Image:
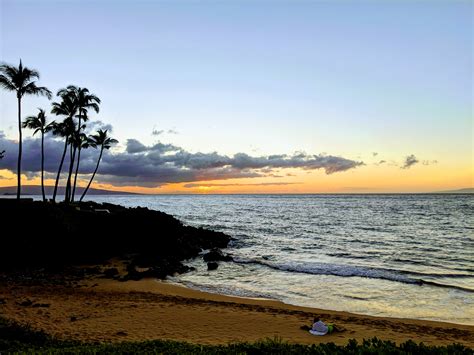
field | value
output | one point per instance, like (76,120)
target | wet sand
(111,311)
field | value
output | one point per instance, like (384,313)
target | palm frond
(32,89)
(6,83)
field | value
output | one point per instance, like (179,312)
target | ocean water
(385,255)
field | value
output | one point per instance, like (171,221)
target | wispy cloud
(410,161)
(157,132)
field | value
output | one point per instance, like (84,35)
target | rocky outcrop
(54,236)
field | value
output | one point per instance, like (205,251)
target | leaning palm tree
(22,81)
(66,107)
(63,129)
(102,140)
(81,141)
(38,123)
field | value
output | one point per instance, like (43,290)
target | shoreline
(101,310)
(183,285)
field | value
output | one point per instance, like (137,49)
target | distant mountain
(36,190)
(469,190)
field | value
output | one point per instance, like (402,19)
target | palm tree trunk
(75,175)
(59,170)
(93,175)
(72,154)
(78,158)
(20,151)
(42,166)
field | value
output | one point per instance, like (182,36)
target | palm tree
(67,107)
(105,142)
(22,81)
(84,101)
(38,123)
(81,141)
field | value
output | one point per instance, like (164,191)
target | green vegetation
(16,338)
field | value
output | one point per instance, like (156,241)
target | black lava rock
(212,266)
(216,254)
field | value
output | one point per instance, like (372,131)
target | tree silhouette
(22,81)
(38,124)
(67,107)
(81,141)
(102,140)
(84,101)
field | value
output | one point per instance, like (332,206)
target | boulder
(212,266)
(216,254)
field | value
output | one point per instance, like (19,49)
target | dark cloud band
(151,166)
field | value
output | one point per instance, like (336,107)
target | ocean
(384,255)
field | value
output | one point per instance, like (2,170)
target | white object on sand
(319,328)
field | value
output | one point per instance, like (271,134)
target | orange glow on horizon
(366,179)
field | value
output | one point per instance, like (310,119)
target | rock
(212,266)
(111,273)
(26,303)
(216,254)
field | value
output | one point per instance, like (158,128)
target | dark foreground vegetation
(17,338)
(53,237)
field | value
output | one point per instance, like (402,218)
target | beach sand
(111,311)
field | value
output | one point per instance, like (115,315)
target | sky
(254,96)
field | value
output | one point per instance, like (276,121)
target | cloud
(429,162)
(93,126)
(159,164)
(409,161)
(381,162)
(374,154)
(156,132)
(191,185)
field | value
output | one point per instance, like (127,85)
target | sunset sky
(255,96)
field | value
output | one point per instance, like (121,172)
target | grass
(15,338)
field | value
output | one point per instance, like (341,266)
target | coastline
(101,310)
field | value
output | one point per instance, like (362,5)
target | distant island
(36,190)
(469,190)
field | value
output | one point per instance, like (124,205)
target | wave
(357,271)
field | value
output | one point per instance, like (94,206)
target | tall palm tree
(67,107)
(102,140)
(22,81)
(84,101)
(38,123)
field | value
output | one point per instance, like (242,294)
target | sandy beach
(111,311)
